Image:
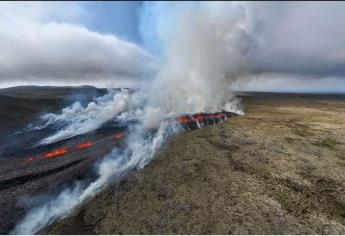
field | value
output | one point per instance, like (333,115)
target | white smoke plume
(77,119)
(206,47)
(140,151)
(206,50)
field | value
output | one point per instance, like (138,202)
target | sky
(289,46)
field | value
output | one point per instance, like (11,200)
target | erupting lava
(183,120)
(56,152)
(201,119)
(187,121)
(63,150)
(86,145)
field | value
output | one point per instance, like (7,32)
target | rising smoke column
(205,47)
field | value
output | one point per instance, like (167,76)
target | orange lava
(198,117)
(221,115)
(56,152)
(183,120)
(119,135)
(86,145)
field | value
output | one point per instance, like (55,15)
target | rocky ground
(279,169)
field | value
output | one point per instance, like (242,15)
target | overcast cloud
(56,43)
(305,38)
(44,42)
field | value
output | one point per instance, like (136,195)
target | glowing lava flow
(187,121)
(202,117)
(63,150)
(86,145)
(56,152)
(183,120)
(199,117)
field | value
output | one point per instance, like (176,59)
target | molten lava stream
(221,115)
(56,152)
(198,117)
(85,145)
(183,120)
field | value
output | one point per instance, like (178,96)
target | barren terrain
(279,169)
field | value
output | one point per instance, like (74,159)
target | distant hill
(51,91)
(16,112)
(23,104)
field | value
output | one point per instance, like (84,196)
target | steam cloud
(205,51)
(80,120)
(140,151)
(38,45)
(48,43)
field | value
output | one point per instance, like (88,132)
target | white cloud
(291,83)
(46,43)
(305,38)
(42,42)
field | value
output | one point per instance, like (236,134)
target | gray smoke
(116,105)
(141,149)
(206,51)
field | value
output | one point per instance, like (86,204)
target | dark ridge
(17,112)
(8,183)
(41,88)
(19,148)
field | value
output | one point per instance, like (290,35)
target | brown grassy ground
(279,169)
